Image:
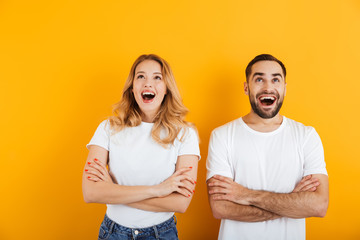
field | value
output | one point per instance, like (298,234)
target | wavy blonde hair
(171,115)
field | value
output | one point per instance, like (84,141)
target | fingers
(187,187)
(180,171)
(220,197)
(186,177)
(218,184)
(98,165)
(93,178)
(95,166)
(217,190)
(307,183)
(222,178)
(96,171)
(183,192)
(91,173)
(311,187)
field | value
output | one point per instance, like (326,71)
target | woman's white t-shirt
(136,159)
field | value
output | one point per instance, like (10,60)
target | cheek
(162,88)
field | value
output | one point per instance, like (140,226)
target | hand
(178,182)
(96,171)
(307,184)
(224,188)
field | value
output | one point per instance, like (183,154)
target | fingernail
(193,191)
(95,159)
(189,195)
(88,177)
(89,162)
(195,182)
(190,167)
(86,170)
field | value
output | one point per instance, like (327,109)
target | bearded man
(266,173)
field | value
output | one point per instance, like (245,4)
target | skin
(230,200)
(172,195)
(148,77)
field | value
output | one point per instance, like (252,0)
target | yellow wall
(63,64)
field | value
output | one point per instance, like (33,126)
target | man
(266,173)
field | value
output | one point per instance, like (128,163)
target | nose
(148,82)
(267,86)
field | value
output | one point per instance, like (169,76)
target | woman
(152,154)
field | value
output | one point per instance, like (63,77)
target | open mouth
(267,100)
(147,96)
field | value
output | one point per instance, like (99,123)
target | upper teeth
(271,98)
(148,93)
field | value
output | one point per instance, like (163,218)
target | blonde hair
(171,115)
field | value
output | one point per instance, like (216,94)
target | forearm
(110,193)
(174,202)
(238,212)
(292,205)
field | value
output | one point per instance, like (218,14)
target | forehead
(148,66)
(267,67)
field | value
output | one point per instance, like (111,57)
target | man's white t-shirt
(273,161)
(136,159)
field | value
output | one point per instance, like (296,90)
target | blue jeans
(110,230)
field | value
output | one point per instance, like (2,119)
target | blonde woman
(152,156)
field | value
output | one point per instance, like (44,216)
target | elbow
(182,204)
(88,197)
(322,208)
(217,215)
(182,207)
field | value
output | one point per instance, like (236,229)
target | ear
(246,88)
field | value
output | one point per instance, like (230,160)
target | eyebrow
(262,74)
(144,72)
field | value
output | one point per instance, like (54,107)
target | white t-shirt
(136,159)
(273,161)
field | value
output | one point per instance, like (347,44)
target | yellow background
(63,64)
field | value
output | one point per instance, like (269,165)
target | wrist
(254,197)
(154,191)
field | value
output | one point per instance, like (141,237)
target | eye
(258,80)
(140,76)
(158,77)
(276,80)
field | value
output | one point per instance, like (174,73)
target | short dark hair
(263,57)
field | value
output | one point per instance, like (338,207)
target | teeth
(271,98)
(148,93)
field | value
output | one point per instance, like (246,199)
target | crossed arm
(230,200)
(172,195)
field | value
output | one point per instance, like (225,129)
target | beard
(265,114)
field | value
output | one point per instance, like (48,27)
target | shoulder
(299,129)
(188,132)
(105,125)
(227,128)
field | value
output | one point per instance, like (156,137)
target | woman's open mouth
(148,96)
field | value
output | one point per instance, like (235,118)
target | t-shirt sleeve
(218,158)
(190,144)
(314,162)
(101,136)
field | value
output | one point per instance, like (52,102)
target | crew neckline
(282,125)
(147,123)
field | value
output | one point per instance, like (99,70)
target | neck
(147,117)
(262,124)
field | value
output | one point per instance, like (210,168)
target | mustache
(277,95)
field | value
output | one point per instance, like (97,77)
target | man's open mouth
(147,96)
(267,100)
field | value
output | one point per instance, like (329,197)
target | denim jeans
(110,230)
